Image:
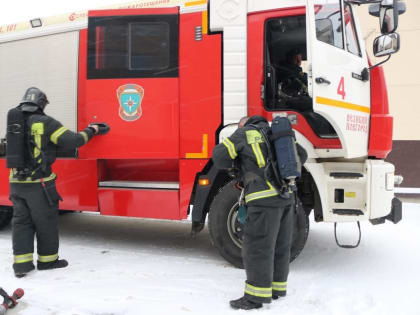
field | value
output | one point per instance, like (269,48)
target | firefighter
(293,83)
(292,71)
(32,187)
(269,223)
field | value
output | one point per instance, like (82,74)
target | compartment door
(336,62)
(132,83)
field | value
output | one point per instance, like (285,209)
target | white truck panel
(381,188)
(355,189)
(49,63)
(230,16)
(263,5)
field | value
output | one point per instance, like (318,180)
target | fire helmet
(34,96)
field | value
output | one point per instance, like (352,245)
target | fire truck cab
(173,77)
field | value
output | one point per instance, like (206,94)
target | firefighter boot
(22,269)
(59,263)
(244,304)
(279,295)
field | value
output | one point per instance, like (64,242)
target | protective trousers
(266,249)
(34,213)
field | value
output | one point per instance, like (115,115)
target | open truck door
(338,73)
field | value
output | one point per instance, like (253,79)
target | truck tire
(226,232)
(6,214)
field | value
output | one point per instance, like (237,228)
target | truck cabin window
(352,41)
(133,46)
(328,24)
(286,82)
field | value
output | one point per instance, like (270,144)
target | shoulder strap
(271,170)
(281,134)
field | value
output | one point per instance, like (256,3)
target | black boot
(279,295)
(22,269)
(244,304)
(59,263)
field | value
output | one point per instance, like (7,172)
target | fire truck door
(132,83)
(338,80)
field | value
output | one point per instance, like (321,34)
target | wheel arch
(202,196)
(309,195)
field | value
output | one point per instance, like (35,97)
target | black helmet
(34,96)
(256,119)
(293,52)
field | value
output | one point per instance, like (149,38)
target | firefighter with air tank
(32,141)
(270,206)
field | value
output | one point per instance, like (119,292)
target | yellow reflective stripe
(56,134)
(84,135)
(20,259)
(49,258)
(38,145)
(231,148)
(262,194)
(258,154)
(279,286)
(193,3)
(341,104)
(29,180)
(37,130)
(254,138)
(257,291)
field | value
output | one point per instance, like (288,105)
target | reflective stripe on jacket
(247,148)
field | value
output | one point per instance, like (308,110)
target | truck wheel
(226,232)
(6,214)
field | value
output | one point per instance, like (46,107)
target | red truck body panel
(381,122)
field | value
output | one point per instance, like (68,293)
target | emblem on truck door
(130,97)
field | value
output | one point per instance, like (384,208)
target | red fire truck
(173,77)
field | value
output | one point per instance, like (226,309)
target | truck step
(346,175)
(140,185)
(355,212)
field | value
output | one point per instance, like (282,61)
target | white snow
(146,267)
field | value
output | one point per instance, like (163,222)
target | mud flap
(396,211)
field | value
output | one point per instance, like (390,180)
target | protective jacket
(247,148)
(45,135)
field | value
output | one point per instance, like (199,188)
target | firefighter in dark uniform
(293,83)
(291,70)
(269,223)
(32,188)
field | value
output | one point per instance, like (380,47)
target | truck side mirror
(386,45)
(388,11)
(388,19)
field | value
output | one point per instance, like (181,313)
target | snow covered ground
(144,267)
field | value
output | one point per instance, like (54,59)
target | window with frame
(328,23)
(133,47)
(352,41)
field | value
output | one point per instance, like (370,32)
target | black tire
(226,231)
(6,214)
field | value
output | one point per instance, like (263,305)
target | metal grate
(198,33)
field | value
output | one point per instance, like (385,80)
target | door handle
(321,80)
